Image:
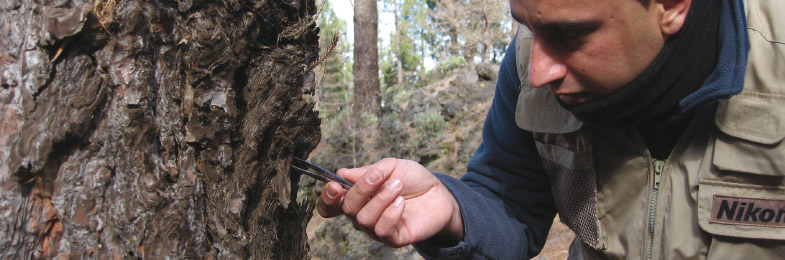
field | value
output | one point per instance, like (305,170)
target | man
(655,129)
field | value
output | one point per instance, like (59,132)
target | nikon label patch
(748,211)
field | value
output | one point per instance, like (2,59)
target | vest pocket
(742,194)
(750,140)
(741,210)
(746,221)
(574,187)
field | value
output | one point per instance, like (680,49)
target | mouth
(574,99)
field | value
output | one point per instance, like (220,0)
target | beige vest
(720,194)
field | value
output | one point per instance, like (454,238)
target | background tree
(334,93)
(475,30)
(334,75)
(446,16)
(154,129)
(402,61)
(492,18)
(367,96)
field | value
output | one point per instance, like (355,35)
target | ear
(674,13)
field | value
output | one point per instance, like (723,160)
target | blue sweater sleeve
(505,198)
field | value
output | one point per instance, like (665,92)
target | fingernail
(398,202)
(393,184)
(373,177)
(331,192)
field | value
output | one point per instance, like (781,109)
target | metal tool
(321,174)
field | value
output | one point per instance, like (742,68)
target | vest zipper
(659,165)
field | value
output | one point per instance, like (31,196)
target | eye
(572,33)
(570,37)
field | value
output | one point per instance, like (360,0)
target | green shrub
(428,125)
(452,62)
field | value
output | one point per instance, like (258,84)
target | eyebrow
(559,25)
(565,25)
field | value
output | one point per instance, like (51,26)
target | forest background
(437,66)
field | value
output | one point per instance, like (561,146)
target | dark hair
(645,3)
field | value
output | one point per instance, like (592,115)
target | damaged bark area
(155,128)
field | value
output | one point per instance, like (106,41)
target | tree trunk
(455,48)
(398,51)
(485,41)
(154,128)
(367,96)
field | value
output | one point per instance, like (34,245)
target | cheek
(602,69)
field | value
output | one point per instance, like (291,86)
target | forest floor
(462,97)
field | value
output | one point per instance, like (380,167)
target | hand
(396,202)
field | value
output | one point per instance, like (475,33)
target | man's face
(586,49)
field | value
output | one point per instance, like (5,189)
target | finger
(330,200)
(363,190)
(354,174)
(370,213)
(386,227)
(368,232)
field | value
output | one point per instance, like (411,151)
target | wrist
(455,226)
(453,232)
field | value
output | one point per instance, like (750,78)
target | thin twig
(300,27)
(60,50)
(333,43)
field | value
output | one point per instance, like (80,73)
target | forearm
(490,231)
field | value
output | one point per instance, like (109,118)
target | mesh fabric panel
(575,195)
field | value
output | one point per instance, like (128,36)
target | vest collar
(537,110)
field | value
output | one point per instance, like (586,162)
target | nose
(545,66)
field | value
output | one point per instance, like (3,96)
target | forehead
(534,12)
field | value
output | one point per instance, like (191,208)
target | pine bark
(154,128)
(367,95)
